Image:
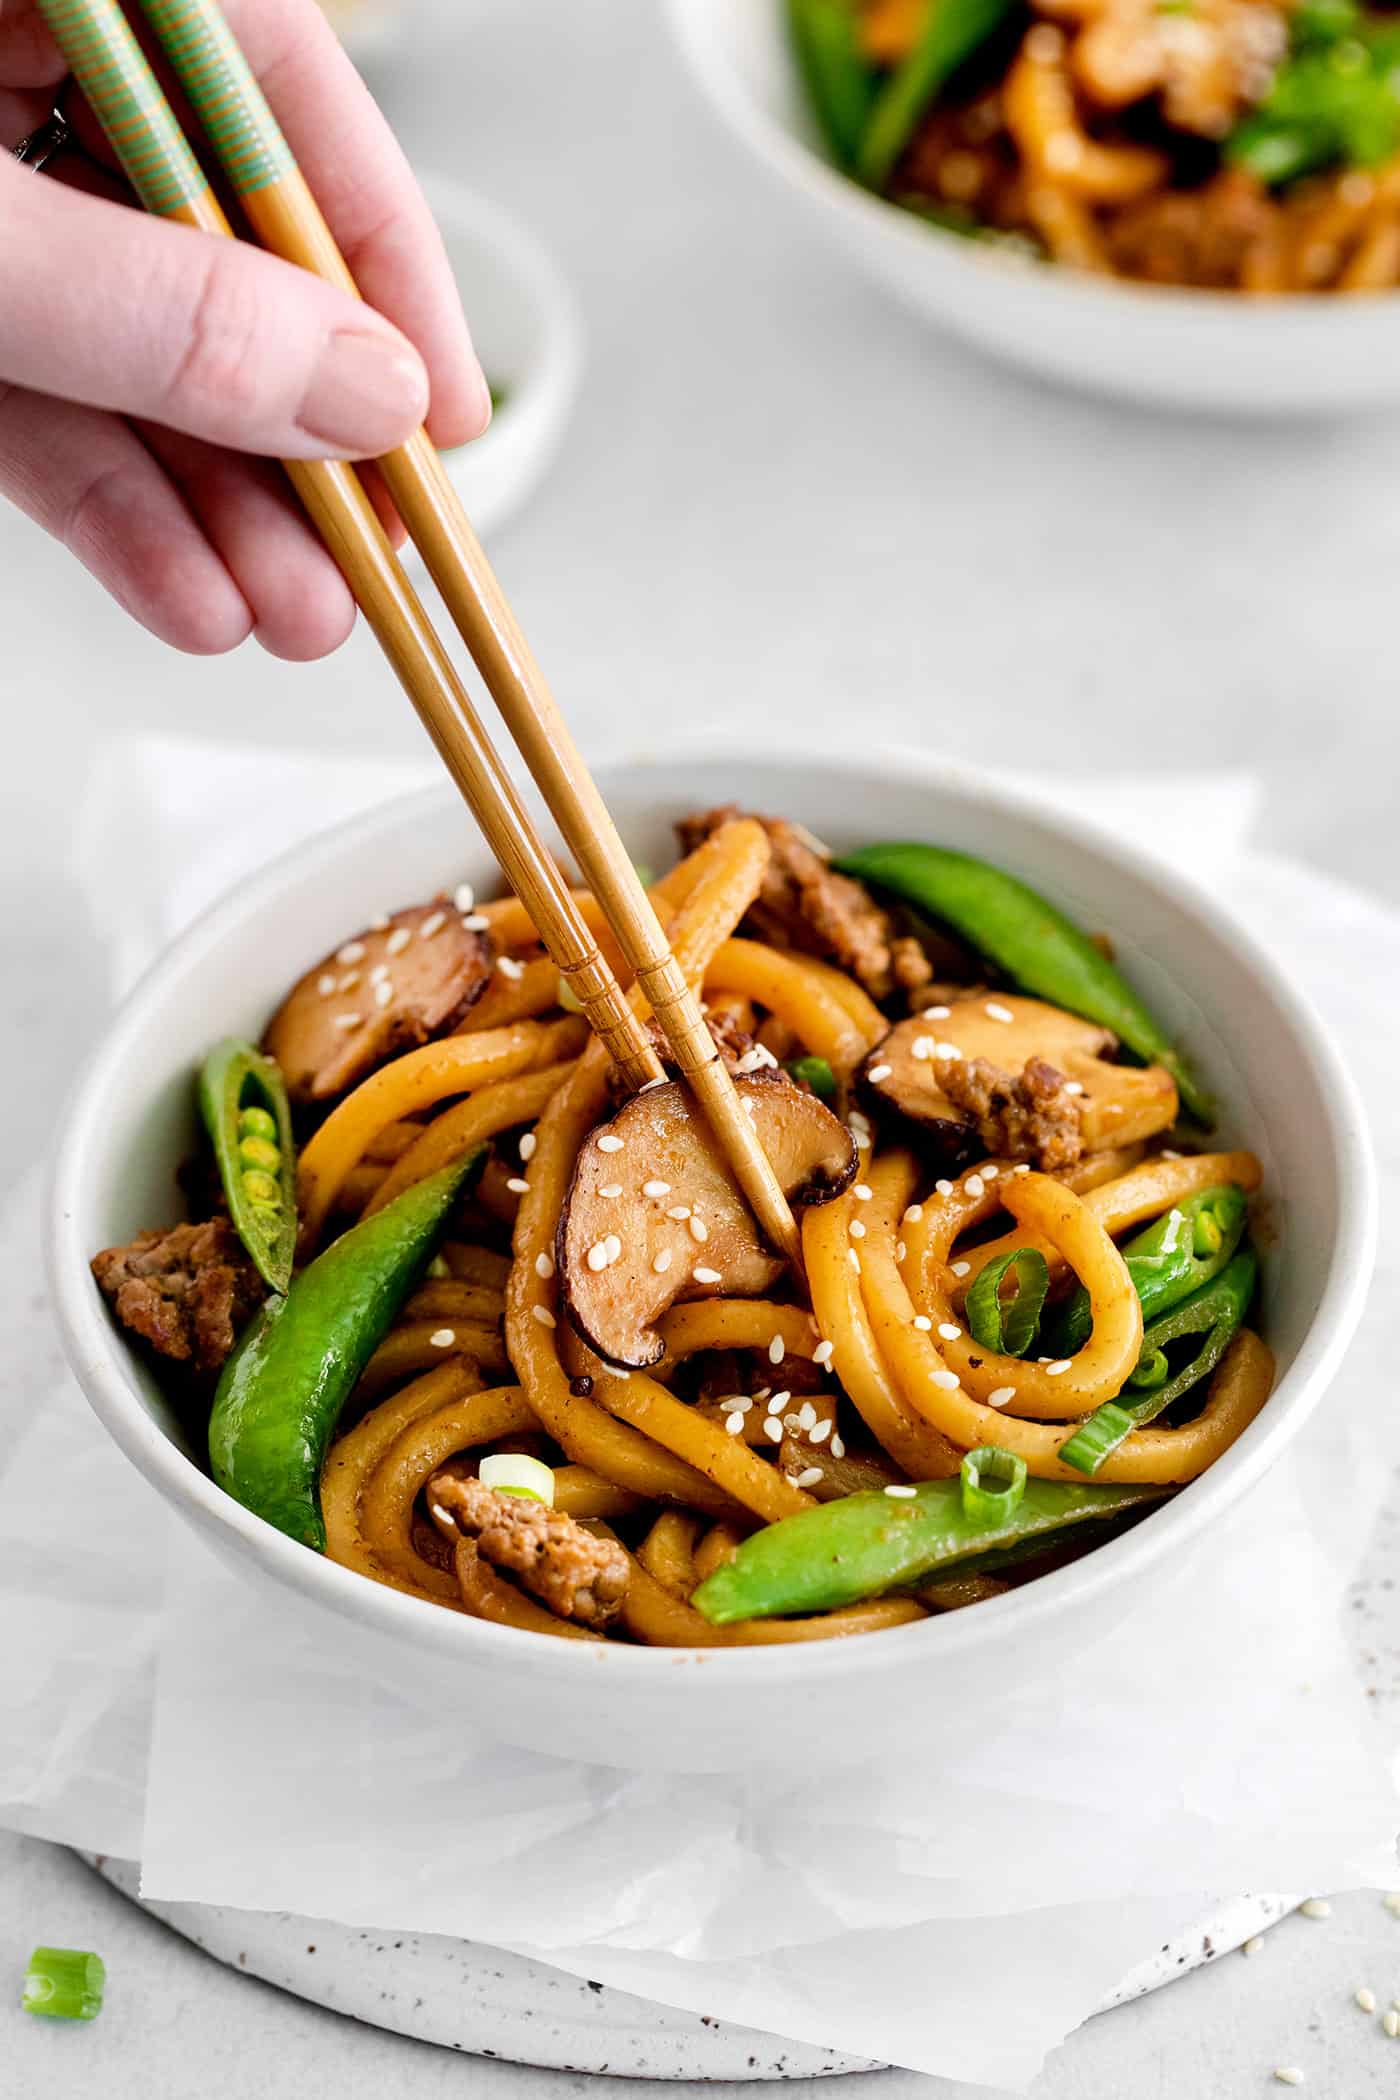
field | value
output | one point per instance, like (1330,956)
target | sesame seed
(995,1011)
(518,1185)
(976,1187)
(706,1275)
(734,1424)
(948,1053)
(349,981)
(990,1172)
(913,1214)
(949,1331)
(960,1268)
(1167,1153)
(378,974)
(527,1145)
(680,1212)
(699,1230)
(347,1020)
(1289,2074)
(1072,1086)
(838,1446)
(325,986)
(352,952)
(902,1494)
(739,1400)
(777,1349)
(854,1259)
(943,1188)
(1366,1999)
(773,1430)
(509,967)
(923,1048)
(444,1516)
(878,1072)
(751,1061)
(810,1477)
(1315,1907)
(614,1246)
(544,1265)
(1024,1168)
(464,897)
(609,1143)
(947,1381)
(475,922)
(614,1371)
(807,1415)
(779,1401)
(862,1192)
(857,1229)
(380,922)
(821,1431)
(923,1323)
(1390,2021)
(610,1188)
(858,1125)
(443,1338)
(900,1250)
(1000,1397)
(398,941)
(1057,1370)
(597,1256)
(543,1314)
(822,1354)
(656,1188)
(661,1261)
(1253,1944)
(383,993)
(434,923)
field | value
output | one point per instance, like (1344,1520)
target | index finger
(363,183)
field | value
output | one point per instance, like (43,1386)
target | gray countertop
(782,503)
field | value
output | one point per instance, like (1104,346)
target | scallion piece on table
(993,1482)
(516,1473)
(64,1983)
(1008,1324)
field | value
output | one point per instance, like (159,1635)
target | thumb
(107,306)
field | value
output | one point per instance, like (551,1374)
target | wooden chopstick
(113,73)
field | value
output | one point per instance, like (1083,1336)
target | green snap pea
(1216,1311)
(840,85)
(870,1543)
(953,31)
(817,1074)
(282,1390)
(1174,1256)
(1008,1325)
(1025,935)
(246,1112)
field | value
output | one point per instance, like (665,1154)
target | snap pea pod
(869,1543)
(1177,1253)
(282,1390)
(953,30)
(1216,1310)
(840,84)
(1025,935)
(246,1112)
(816,1073)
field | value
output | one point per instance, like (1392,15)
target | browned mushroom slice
(1018,1049)
(389,989)
(653,1214)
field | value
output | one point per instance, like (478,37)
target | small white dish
(528,336)
(1189,349)
(1282,1090)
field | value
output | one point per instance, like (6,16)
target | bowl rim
(802,167)
(104,1367)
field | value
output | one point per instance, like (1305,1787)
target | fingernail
(367,393)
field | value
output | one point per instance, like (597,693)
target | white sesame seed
(1000,1397)
(773,1430)
(943,1188)
(859,1126)
(1390,2022)
(398,940)
(901,1493)
(380,922)
(976,1187)
(878,1072)
(352,952)
(1289,2074)
(527,1145)
(699,1230)
(1024,1167)
(597,1256)
(947,1053)
(995,1011)
(821,1430)
(936,1013)
(854,1259)
(383,993)
(838,1446)
(913,1214)
(706,1275)
(807,1415)
(810,1477)
(991,1171)
(614,1247)
(325,986)
(656,1188)
(1315,1907)
(1253,1944)
(741,1401)
(475,922)
(946,1380)
(900,1250)
(734,1424)
(680,1212)
(443,1338)
(518,1185)
(509,967)
(777,1349)
(349,981)
(862,1192)
(544,1265)
(610,1189)
(444,1516)
(923,1048)
(434,923)
(960,1268)
(464,897)
(923,1323)
(614,1371)
(1366,1999)
(347,1020)
(779,1401)
(543,1314)
(1072,1086)
(857,1229)
(949,1331)
(1057,1370)
(1167,1153)
(823,1352)
(661,1261)
(609,1143)
(751,1061)
(378,974)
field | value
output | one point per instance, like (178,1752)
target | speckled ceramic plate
(489,2003)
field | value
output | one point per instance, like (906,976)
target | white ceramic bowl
(1283,1092)
(1143,342)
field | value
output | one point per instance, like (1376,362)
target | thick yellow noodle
(798,995)
(482,1115)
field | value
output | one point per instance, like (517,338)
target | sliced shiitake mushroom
(1114,1104)
(653,1214)
(392,987)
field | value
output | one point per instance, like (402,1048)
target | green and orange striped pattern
(111,69)
(219,82)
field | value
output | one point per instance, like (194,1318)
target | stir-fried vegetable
(1006,1322)
(283,1388)
(1336,99)
(517,1473)
(245,1109)
(64,1983)
(953,30)
(840,84)
(816,1073)
(1025,935)
(1178,1252)
(1216,1311)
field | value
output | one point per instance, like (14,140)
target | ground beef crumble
(1031,1117)
(732,1042)
(577,1575)
(188,1291)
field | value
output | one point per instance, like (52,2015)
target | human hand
(150,373)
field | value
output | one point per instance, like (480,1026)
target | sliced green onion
(817,1073)
(993,1482)
(1008,1325)
(1151,1371)
(516,1473)
(1206,1236)
(64,1983)
(1092,1441)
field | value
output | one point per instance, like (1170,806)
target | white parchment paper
(1216,1740)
